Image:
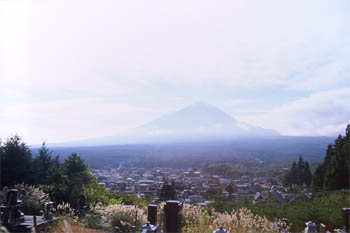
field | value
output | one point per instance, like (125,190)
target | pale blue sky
(79,69)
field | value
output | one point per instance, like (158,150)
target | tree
(334,173)
(167,192)
(307,174)
(75,177)
(16,162)
(229,189)
(317,184)
(41,165)
(54,177)
(299,173)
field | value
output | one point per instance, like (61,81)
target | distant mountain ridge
(198,121)
(202,120)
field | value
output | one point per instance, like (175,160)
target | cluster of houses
(190,184)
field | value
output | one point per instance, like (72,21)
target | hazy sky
(80,69)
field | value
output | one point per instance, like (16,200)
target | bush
(119,215)
(33,199)
(123,223)
(323,209)
(198,220)
(93,221)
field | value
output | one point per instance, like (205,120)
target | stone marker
(152,214)
(172,216)
(346,219)
(11,215)
(48,210)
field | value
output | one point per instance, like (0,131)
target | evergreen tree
(299,173)
(167,192)
(41,165)
(294,174)
(317,184)
(334,173)
(229,189)
(75,177)
(16,162)
(307,174)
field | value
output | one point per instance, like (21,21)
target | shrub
(198,220)
(115,215)
(93,221)
(323,209)
(33,199)
(123,223)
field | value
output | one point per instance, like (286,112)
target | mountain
(198,121)
(201,120)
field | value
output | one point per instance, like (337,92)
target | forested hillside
(334,172)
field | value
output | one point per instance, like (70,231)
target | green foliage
(93,221)
(75,177)
(31,206)
(222,204)
(123,221)
(299,173)
(44,166)
(16,162)
(323,209)
(33,198)
(334,172)
(127,199)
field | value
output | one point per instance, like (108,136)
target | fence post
(34,222)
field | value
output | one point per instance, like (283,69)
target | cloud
(66,120)
(321,114)
(198,43)
(74,68)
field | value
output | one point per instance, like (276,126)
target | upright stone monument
(346,219)
(48,215)
(172,216)
(152,214)
(11,215)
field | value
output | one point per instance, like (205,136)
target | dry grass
(197,220)
(66,227)
(108,212)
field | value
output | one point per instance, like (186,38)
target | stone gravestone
(11,214)
(346,219)
(152,214)
(48,215)
(172,216)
